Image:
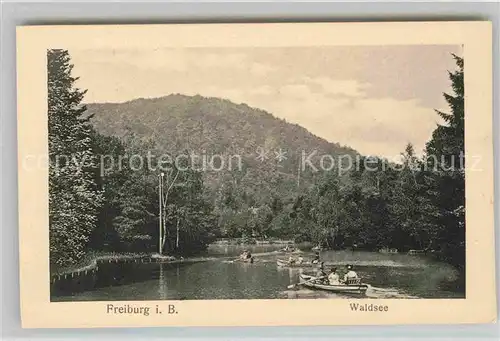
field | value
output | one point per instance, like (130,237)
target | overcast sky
(373,99)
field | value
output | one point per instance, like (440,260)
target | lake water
(389,276)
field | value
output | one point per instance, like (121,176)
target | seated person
(333,277)
(244,255)
(291,260)
(320,274)
(350,275)
(300,260)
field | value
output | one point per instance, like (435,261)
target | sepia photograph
(232,169)
(256,173)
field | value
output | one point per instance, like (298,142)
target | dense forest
(96,205)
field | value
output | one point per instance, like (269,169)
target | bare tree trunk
(170,184)
(177,239)
(160,237)
(298,175)
(165,231)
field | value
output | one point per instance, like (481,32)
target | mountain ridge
(92,105)
(219,126)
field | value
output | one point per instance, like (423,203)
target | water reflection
(391,276)
(162,284)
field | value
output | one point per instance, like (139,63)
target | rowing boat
(341,288)
(245,260)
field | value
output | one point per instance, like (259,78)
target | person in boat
(316,258)
(300,260)
(350,274)
(321,274)
(291,260)
(245,255)
(333,277)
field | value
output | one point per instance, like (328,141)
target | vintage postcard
(256,174)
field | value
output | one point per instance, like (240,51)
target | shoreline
(91,261)
(88,273)
(252,242)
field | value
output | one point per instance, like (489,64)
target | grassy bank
(90,261)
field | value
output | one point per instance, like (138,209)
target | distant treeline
(418,204)
(101,207)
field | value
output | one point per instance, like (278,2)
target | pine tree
(73,194)
(447,143)
(446,162)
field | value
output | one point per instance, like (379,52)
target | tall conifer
(74,198)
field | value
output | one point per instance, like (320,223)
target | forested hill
(177,124)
